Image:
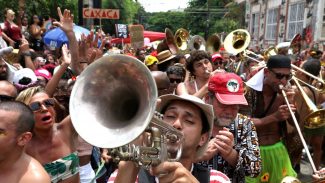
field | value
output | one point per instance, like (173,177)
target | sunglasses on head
(281,76)
(37,106)
(6,98)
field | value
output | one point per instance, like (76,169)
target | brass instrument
(169,43)
(213,44)
(237,41)
(295,44)
(196,43)
(113,102)
(314,119)
(182,36)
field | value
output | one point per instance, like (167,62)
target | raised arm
(54,81)
(66,24)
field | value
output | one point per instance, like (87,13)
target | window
(296,19)
(323,27)
(271,24)
(254,25)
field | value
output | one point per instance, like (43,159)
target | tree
(129,10)
(41,7)
(161,20)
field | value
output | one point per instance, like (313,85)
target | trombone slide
(298,129)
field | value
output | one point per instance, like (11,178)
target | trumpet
(113,102)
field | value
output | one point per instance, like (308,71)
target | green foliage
(225,25)
(129,11)
(42,7)
(160,21)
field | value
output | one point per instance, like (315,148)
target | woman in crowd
(36,33)
(11,29)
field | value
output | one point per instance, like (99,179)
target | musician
(194,119)
(314,136)
(268,111)
(234,148)
(200,66)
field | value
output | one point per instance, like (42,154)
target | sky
(162,5)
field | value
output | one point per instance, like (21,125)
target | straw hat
(165,56)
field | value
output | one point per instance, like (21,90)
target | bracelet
(26,53)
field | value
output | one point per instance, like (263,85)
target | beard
(223,121)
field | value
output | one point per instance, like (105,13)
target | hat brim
(231,99)
(206,108)
(165,60)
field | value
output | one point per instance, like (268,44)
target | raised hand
(66,55)
(66,20)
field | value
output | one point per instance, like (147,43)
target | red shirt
(13,31)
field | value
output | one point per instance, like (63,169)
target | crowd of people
(233,131)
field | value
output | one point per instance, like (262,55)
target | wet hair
(312,66)
(204,119)
(25,121)
(195,56)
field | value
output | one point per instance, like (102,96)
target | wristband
(26,53)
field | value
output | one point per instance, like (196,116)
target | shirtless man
(16,124)
(269,113)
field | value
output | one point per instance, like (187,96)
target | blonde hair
(26,95)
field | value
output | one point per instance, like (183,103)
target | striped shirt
(215,177)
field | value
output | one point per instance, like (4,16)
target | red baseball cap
(216,56)
(228,88)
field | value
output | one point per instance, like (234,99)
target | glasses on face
(37,106)
(217,63)
(6,98)
(172,80)
(281,76)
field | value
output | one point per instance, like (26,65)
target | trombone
(315,119)
(238,40)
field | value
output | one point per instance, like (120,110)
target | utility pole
(206,32)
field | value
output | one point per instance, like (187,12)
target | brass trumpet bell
(237,41)
(181,37)
(316,116)
(213,44)
(113,101)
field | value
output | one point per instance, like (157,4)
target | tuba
(237,41)
(169,43)
(196,43)
(113,102)
(181,37)
(213,44)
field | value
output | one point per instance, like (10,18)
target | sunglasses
(175,80)
(281,76)
(37,106)
(217,63)
(6,98)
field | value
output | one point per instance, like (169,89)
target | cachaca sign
(101,13)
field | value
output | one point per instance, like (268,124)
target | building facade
(271,22)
